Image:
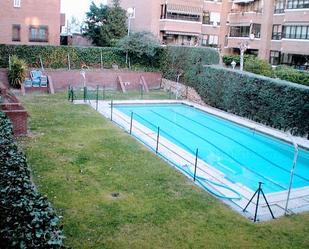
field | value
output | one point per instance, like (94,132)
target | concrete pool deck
(299,199)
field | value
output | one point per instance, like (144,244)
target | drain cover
(115,195)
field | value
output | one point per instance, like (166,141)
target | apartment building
(274,30)
(30,22)
(194,22)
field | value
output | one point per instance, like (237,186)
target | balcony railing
(276,36)
(183,17)
(245,10)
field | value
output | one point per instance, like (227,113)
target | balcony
(299,15)
(246,11)
(296,46)
(234,42)
(181,12)
(180,26)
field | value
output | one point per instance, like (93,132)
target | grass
(79,159)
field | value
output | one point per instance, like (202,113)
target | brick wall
(14,110)
(30,13)
(19,121)
(63,78)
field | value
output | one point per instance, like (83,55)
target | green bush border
(27,220)
(187,61)
(276,103)
(57,56)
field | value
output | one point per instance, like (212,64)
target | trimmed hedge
(57,56)
(228,59)
(291,74)
(187,61)
(169,59)
(258,66)
(276,103)
(27,219)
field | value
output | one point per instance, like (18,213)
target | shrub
(170,59)
(17,72)
(187,61)
(228,59)
(57,56)
(276,103)
(142,47)
(291,74)
(27,219)
(258,66)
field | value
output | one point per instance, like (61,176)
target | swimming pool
(243,155)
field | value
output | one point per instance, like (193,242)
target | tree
(105,25)
(140,44)
(259,66)
(74,26)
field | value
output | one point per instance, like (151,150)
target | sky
(77,8)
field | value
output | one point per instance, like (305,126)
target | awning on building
(242,24)
(183,9)
(181,33)
(243,1)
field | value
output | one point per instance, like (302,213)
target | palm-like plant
(17,72)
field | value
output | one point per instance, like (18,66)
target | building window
(16,33)
(212,18)
(276,35)
(279,6)
(17,3)
(213,40)
(274,57)
(298,4)
(206,17)
(163,11)
(210,40)
(38,34)
(296,32)
(239,31)
(133,13)
(256,30)
(215,18)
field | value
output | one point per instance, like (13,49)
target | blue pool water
(243,155)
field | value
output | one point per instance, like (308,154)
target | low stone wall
(61,79)
(182,91)
(19,121)
(108,78)
(14,110)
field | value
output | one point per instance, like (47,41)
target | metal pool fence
(153,142)
(100,93)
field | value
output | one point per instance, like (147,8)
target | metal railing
(104,93)
(132,125)
(159,147)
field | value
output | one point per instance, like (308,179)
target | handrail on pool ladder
(292,171)
(200,180)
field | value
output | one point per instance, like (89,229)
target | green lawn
(79,159)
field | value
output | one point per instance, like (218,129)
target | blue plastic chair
(38,79)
